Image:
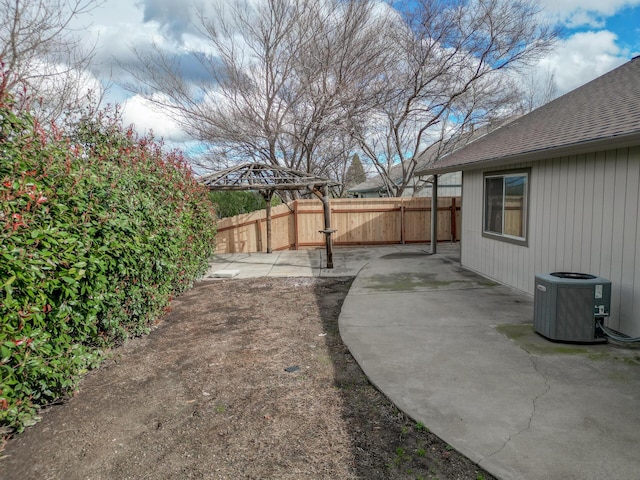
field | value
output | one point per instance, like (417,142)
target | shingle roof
(376,183)
(258,176)
(604,113)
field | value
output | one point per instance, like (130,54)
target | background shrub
(230,203)
(98,230)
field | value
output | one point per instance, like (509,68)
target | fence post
(296,241)
(402,232)
(267,197)
(258,236)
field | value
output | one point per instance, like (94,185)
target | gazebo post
(324,197)
(267,179)
(268,195)
(327,225)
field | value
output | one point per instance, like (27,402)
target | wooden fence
(363,221)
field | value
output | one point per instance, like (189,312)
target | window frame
(521,172)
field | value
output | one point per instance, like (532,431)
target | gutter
(609,143)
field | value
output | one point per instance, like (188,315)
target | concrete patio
(347,261)
(458,353)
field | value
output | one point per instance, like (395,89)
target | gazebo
(267,179)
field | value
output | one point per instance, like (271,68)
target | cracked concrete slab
(457,353)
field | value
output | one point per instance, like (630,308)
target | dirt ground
(243,379)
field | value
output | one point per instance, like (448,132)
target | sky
(597,36)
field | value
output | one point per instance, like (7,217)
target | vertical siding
(559,194)
(471,222)
(620,162)
(572,237)
(587,221)
(598,212)
(630,279)
(608,206)
(578,214)
(583,216)
(632,313)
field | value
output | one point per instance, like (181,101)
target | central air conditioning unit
(566,305)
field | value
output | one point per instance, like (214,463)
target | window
(505,206)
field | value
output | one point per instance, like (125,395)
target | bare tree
(537,88)
(286,79)
(42,55)
(450,74)
(307,83)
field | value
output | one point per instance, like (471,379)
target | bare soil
(243,379)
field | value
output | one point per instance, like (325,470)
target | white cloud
(591,13)
(606,7)
(582,57)
(145,116)
(582,18)
(118,24)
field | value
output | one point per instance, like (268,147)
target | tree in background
(355,174)
(231,203)
(44,57)
(452,71)
(286,80)
(537,89)
(305,84)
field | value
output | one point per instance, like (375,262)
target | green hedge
(98,230)
(232,203)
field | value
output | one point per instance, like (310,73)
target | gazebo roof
(258,176)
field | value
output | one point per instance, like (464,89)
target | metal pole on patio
(434,215)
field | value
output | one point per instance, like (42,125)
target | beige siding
(583,216)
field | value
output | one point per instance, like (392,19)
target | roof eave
(618,141)
(364,189)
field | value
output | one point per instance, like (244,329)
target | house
(558,189)
(449,184)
